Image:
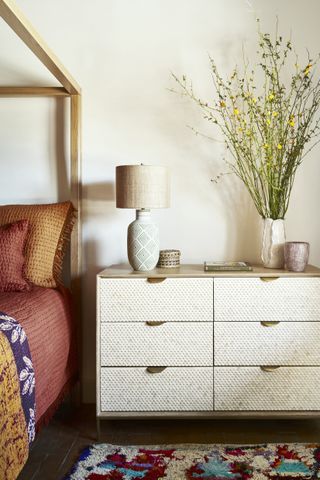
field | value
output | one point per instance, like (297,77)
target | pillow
(12,246)
(50,227)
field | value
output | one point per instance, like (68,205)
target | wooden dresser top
(196,270)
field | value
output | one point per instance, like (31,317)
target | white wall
(121,52)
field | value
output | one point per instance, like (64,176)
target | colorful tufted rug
(210,462)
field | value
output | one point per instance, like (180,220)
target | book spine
(227,269)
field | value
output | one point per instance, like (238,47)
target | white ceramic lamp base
(143,242)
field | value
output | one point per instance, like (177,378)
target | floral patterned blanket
(17,398)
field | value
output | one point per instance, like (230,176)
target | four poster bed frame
(15,456)
(69,88)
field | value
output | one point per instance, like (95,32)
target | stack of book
(227,266)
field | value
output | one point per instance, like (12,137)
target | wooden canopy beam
(33,92)
(13,16)
(76,186)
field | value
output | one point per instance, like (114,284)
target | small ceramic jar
(296,256)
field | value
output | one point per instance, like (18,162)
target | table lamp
(142,187)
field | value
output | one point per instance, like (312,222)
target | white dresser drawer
(250,388)
(174,389)
(252,300)
(251,343)
(169,344)
(174,299)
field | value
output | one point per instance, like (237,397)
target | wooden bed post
(75,252)
(75,176)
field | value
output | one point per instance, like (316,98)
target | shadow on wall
(202,158)
(98,198)
(89,319)
(243,235)
(98,202)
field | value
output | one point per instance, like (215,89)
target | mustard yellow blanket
(17,407)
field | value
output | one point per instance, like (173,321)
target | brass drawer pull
(154,324)
(155,279)
(155,369)
(269,324)
(269,368)
(268,279)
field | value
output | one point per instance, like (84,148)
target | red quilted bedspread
(45,315)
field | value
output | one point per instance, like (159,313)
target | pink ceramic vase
(296,256)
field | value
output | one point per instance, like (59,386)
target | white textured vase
(273,241)
(143,242)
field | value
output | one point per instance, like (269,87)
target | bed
(45,315)
(46,312)
(39,326)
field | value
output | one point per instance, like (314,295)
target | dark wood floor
(58,445)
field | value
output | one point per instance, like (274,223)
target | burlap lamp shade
(142,186)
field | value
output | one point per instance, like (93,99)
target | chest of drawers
(189,343)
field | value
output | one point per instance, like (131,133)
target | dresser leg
(98,429)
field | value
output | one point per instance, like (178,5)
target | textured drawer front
(249,388)
(170,344)
(248,343)
(174,389)
(251,299)
(174,299)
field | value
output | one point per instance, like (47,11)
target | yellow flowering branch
(266,127)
